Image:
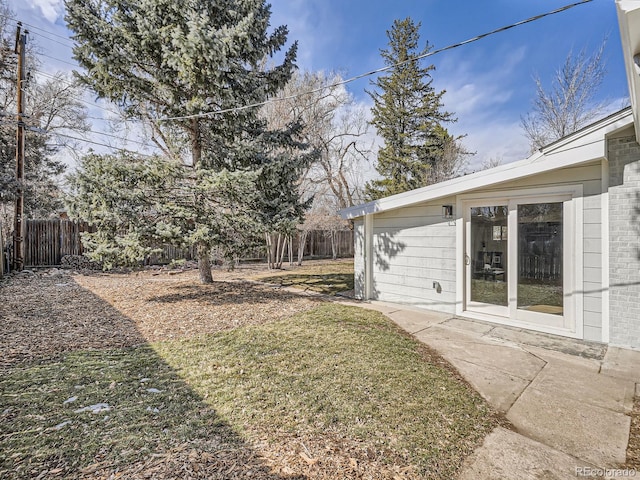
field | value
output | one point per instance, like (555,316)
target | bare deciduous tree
(52,112)
(570,103)
(336,128)
(334,125)
(491,162)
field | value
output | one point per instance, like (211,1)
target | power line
(289,97)
(58,77)
(380,70)
(54,133)
(81,87)
(59,60)
(124,139)
(11,19)
(53,40)
(143,144)
(93,142)
(117,137)
(70,83)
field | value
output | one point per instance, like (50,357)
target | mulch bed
(54,311)
(633,450)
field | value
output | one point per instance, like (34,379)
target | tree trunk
(204,263)
(203,251)
(334,250)
(277,264)
(267,238)
(196,144)
(302,240)
(284,241)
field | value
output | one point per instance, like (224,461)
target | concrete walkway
(568,400)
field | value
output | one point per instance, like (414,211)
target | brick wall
(624,241)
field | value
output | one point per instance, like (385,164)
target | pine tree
(408,115)
(133,203)
(162,58)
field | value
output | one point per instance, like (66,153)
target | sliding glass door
(516,259)
(487,258)
(540,258)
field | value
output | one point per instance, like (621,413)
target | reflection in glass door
(487,263)
(540,258)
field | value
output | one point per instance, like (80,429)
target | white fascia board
(581,147)
(596,132)
(438,190)
(629,23)
(589,143)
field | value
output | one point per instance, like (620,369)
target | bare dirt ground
(154,304)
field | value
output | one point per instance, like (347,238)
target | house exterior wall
(412,248)
(358,258)
(624,245)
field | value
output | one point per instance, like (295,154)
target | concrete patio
(569,401)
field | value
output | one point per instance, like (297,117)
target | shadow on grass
(330,284)
(87,413)
(223,292)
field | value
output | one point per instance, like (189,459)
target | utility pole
(18,228)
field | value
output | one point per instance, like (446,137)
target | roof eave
(579,148)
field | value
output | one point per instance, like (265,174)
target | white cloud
(476,91)
(501,140)
(481,92)
(50,9)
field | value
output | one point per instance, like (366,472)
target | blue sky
(489,83)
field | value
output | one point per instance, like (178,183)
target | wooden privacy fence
(318,244)
(47,241)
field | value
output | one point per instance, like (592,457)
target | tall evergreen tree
(163,59)
(408,114)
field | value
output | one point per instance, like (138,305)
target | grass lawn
(328,277)
(336,389)
(141,408)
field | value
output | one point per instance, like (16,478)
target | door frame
(480,307)
(572,318)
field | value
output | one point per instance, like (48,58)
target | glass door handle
(467,259)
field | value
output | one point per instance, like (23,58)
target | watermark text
(591,472)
